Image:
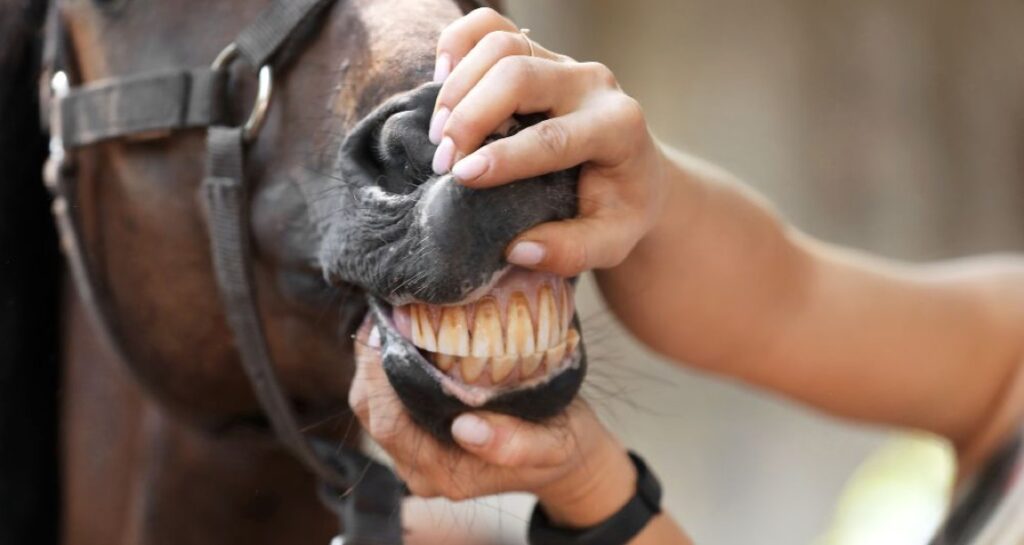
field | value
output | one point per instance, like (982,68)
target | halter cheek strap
(364,494)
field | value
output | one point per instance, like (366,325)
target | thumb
(570,247)
(506,441)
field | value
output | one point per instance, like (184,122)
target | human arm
(704,271)
(930,346)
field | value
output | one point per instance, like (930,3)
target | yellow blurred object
(898,496)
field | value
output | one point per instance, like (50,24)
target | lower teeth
(502,368)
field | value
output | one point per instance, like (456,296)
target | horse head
(343,209)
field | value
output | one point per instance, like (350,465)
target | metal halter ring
(60,86)
(264,92)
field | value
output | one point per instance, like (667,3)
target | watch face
(990,512)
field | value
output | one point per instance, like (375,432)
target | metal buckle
(59,88)
(264,92)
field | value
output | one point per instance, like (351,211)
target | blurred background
(892,126)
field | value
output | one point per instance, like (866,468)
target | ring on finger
(525,33)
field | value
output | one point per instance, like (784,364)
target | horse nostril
(390,148)
(404,152)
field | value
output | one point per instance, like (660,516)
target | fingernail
(470,429)
(442,67)
(437,124)
(526,253)
(443,156)
(470,168)
(374,339)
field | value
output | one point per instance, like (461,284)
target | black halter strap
(364,494)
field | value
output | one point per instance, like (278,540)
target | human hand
(579,472)
(490,73)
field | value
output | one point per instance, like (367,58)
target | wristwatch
(618,529)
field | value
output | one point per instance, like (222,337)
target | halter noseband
(363,493)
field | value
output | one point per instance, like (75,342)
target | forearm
(703,285)
(722,284)
(937,347)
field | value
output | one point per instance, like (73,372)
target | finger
(416,454)
(357,396)
(488,51)
(418,484)
(367,352)
(423,459)
(471,69)
(549,146)
(568,248)
(506,441)
(367,345)
(387,420)
(371,396)
(513,85)
(459,37)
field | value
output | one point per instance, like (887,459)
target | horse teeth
(519,338)
(414,325)
(554,356)
(472,368)
(453,335)
(445,362)
(429,334)
(528,342)
(566,314)
(547,321)
(572,340)
(422,330)
(487,334)
(501,367)
(530,364)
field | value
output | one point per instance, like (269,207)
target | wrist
(684,185)
(593,491)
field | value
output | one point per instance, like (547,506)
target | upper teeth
(475,337)
(422,332)
(487,338)
(453,335)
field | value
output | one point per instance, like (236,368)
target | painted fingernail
(442,67)
(374,339)
(526,253)
(470,168)
(470,429)
(443,156)
(437,124)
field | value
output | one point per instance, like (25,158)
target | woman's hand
(489,74)
(579,472)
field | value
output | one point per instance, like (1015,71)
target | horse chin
(513,348)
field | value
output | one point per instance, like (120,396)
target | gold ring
(525,32)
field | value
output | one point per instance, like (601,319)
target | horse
(308,177)
(237,186)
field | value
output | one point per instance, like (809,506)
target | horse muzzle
(461,328)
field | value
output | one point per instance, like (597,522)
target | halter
(365,495)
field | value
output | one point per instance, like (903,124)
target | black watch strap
(618,529)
